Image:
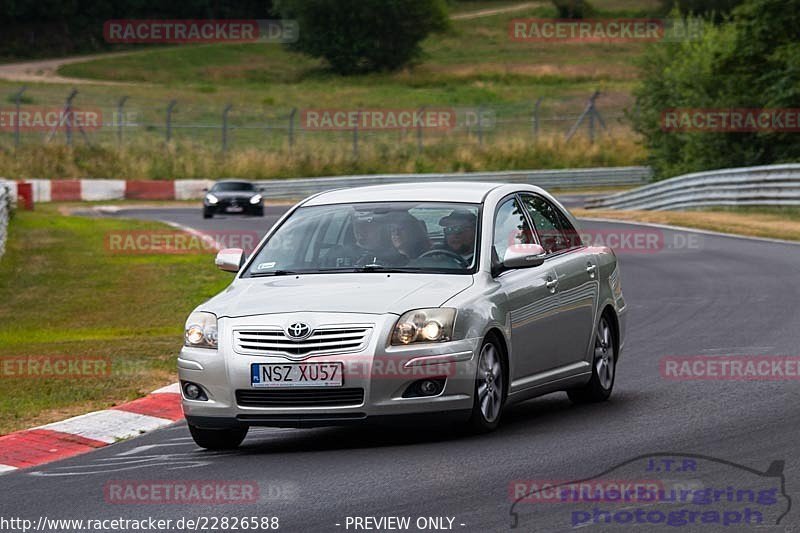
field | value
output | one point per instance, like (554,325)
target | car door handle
(591,269)
(551,284)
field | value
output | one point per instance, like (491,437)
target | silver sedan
(409,300)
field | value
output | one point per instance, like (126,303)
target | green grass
(784,212)
(62,293)
(473,62)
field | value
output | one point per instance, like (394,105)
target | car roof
(439,191)
(233,181)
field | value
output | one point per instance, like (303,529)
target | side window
(554,230)
(510,228)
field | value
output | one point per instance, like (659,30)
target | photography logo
(656,491)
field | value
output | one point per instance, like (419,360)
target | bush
(573,9)
(754,62)
(717,10)
(357,36)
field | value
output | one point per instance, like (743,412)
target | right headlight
(424,325)
(200,330)
(210,198)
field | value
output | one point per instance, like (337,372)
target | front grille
(243,201)
(300,397)
(322,341)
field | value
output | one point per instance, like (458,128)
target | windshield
(386,236)
(233,186)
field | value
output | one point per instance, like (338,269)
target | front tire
(490,388)
(218,439)
(207,214)
(604,365)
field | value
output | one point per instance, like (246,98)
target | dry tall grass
(153,160)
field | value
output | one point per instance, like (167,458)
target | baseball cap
(458,216)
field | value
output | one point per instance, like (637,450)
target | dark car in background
(233,197)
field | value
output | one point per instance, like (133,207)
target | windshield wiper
(274,273)
(382,268)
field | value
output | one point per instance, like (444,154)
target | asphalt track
(694,295)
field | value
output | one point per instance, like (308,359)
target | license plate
(296,375)
(234,209)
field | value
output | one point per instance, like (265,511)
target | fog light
(425,387)
(428,387)
(193,391)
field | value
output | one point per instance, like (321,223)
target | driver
(459,233)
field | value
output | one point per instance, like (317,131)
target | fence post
(170,108)
(17,103)
(480,125)
(68,115)
(225,127)
(120,119)
(591,111)
(355,135)
(419,130)
(291,127)
(535,118)
(595,115)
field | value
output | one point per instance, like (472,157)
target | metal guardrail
(577,178)
(772,185)
(6,205)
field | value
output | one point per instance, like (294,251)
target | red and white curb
(45,190)
(84,433)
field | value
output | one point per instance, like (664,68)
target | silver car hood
(372,293)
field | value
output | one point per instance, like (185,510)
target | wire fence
(118,120)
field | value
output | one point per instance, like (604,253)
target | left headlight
(424,325)
(255,199)
(200,330)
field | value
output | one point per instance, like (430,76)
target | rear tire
(604,365)
(218,439)
(490,388)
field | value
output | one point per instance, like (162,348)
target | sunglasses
(449,230)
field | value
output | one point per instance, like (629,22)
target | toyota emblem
(298,331)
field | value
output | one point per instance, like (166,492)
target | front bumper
(222,208)
(383,372)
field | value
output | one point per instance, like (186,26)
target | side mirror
(230,259)
(205,189)
(523,256)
